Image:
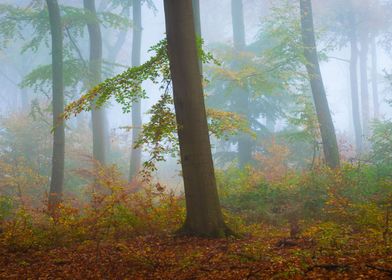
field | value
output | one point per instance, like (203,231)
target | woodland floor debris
(170,257)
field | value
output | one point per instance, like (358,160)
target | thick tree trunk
(241,97)
(327,129)
(376,105)
(203,212)
(354,90)
(57,177)
(136,154)
(100,135)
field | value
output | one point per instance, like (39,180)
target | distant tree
(241,97)
(203,212)
(95,75)
(363,67)
(136,153)
(57,177)
(353,39)
(327,129)
(374,75)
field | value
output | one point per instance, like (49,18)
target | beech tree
(57,177)
(327,129)
(242,94)
(203,212)
(363,64)
(95,68)
(354,78)
(136,153)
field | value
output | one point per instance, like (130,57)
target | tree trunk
(203,212)
(376,105)
(241,97)
(136,154)
(95,66)
(363,60)
(57,176)
(354,87)
(327,129)
(196,14)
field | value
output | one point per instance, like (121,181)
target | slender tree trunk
(98,117)
(136,154)
(376,106)
(354,88)
(327,129)
(363,63)
(245,142)
(57,177)
(203,212)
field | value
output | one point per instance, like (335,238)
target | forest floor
(170,257)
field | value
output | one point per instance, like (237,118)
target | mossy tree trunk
(327,129)
(57,175)
(203,212)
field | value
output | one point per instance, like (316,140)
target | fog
(216,25)
(195,139)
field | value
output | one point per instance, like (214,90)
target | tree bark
(354,85)
(136,154)
(376,105)
(327,129)
(196,14)
(57,175)
(99,124)
(241,96)
(203,212)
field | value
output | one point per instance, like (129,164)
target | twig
(389,271)
(330,267)
(76,47)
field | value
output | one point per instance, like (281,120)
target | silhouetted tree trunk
(376,106)
(57,176)
(136,154)
(203,212)
(245,142)
(354,85)
(97,115)
(327,129)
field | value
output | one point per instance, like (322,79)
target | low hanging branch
(159,136)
